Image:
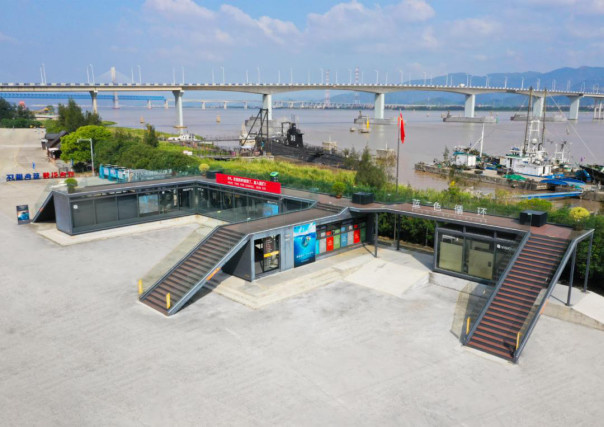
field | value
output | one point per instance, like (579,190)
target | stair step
(526,263)
(171,281)
(547,243)
(539,254)
(531,274)
(160,300)
(510,310)
(518,276)
(528,295)
(154,306)
(505,299)
(182,278)
(485,330)
(507,328)
(488,349)
(175,292)
(503,317)
(521,284)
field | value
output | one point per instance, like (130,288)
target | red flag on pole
(401,125)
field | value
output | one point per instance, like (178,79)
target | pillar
(148,104)
(166,104)
(178,103)
(93,95)
(267,103)
(116,101)
(537,107)
(573,112)
(379,102)
(225,105)
(469,105)
(572,276)
(591,241)
(245,105)
(375,239)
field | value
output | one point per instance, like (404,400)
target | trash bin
(274,176)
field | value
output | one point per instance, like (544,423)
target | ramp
(513,304)
(191,273)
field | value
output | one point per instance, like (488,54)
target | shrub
(71,182)
(338,188)
(204,168)
(578,214)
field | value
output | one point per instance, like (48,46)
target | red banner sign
(249,183)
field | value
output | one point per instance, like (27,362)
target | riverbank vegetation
(16,116)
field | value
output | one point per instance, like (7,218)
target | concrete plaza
(77,348)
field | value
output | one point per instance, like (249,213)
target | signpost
(249,183)
(23,214)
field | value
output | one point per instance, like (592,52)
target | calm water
(427,134)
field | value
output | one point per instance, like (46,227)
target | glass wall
(124,207)
(478,253)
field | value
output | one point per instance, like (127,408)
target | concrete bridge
(267,90)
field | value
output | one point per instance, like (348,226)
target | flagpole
(398,149)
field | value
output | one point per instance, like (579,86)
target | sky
(298,39)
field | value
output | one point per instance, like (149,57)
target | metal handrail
(561,266)
(497,287)
(179,262)
(183,300)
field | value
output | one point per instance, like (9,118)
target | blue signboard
(270,209)
(305,237)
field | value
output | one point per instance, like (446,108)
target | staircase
(513,303)
(193,271)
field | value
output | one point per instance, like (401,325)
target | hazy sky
(415,36)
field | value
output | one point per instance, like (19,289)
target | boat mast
(528,114)
(481,140)
(543,118)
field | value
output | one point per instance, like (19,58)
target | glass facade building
(122,204)
(474,253)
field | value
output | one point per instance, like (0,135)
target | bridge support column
(598,110)
(537,107)
(267,103)
(95,106)
(378,104)
(148,104)
(116,101)
(573,112)
(470,105)
(178,103)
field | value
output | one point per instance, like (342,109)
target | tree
(71,149)
(149,137)
(7,110)
(368,173)
(70,116)
(446,155)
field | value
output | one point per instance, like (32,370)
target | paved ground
(76,348)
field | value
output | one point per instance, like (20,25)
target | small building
(52,144)
(463,158)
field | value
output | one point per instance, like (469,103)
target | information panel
(305,237)
(249,183)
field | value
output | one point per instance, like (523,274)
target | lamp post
(91,151)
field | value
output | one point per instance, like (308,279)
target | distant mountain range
(579,79)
